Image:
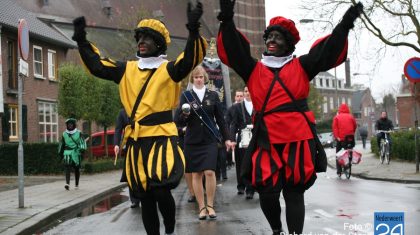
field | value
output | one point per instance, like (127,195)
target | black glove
(194,16)
(79,34)
(226,10)
(352,14)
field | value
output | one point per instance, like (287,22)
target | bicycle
(384,148)
(349,144)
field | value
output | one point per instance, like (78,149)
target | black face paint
(147,46)
(276,44)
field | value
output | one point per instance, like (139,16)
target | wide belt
(153,119)
(260,131)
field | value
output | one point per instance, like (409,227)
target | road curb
(367,177)
(41,223)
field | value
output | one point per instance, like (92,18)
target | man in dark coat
(383,124)
(363,134)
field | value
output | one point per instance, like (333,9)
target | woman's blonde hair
(201,69)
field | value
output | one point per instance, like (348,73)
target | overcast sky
(385,76)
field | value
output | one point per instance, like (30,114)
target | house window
(325,104)
(13,123)
(320,82)
(339,84)
(38,71)
(12,65)
(52,65)
(48,122)
(327,82)
(331,103)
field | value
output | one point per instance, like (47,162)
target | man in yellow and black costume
(154,162)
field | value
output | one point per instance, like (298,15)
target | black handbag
(320,160)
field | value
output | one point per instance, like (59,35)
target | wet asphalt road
(333,206)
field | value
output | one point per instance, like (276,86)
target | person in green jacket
(71,148)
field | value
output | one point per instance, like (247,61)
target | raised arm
(330,51)
(100,67)
(195,50)
(233,47)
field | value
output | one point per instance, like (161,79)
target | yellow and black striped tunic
(153,157)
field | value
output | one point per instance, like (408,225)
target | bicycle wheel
(387,158)
(382,153)
(348,171)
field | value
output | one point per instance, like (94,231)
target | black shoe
(249,195)
(67,187)
(225,178)
(134,205)
(241,191)
(192,199)
(202,217)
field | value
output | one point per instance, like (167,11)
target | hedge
(39,158)
(42,158)
(402,145)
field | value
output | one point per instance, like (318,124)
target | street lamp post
(306,21)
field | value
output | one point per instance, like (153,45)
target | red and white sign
(23,38)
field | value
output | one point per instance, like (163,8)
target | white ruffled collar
(71,132)
(275,61)
(151,62)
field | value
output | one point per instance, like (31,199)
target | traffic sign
(23,38)
(412,69)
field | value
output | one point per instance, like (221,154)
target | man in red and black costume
(282,152)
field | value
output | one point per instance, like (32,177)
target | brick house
(406,104)
(47,50)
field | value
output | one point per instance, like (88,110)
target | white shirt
(200,92)
(275,61)
(248,106)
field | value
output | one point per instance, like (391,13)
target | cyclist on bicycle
(383,124)
(343,124)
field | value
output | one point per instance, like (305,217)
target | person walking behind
(149,90)
(122,121)
(343,124)
(181,135)
(241,118)
(239,97)
(201,138)
(363,132)
(71,148)
(282,150)
(383,124)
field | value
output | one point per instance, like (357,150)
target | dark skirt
(200,157)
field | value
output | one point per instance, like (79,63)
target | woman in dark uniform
(201,138)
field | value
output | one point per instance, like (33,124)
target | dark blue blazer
(197,132)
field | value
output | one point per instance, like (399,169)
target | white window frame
(52,123)
(331,103)
(13,123)
(52,65)
(36,74)
(325,104)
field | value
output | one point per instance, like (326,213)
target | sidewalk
(48,201)
(370,168)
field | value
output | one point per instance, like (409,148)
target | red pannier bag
(343,157)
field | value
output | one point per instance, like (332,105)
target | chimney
(347,71)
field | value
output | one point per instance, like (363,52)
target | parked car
(327,139)
(98,143)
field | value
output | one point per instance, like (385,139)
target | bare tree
(394,22)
